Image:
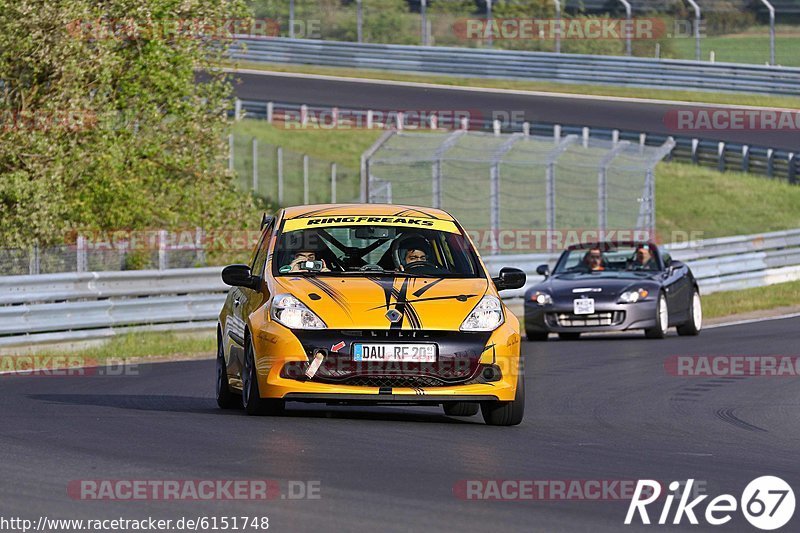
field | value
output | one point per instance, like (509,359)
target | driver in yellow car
(414,250)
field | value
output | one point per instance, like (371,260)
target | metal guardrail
(709,153)
(564,68)
(89,306)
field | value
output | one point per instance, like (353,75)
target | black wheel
(225,398)
(253,403)
(662,320)
(461,409)
(570,336)
(695,322)
(536,335)
(506,413)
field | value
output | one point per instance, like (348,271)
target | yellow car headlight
(292,313)
(486,316)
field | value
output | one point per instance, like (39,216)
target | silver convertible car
(613,286)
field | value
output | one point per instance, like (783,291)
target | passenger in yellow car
(303,256)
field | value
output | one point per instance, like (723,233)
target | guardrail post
(400,120)
(721,157)
(434,122)
(526,128)
(585,134)
(270,112)
(770,162)
(279,157)
(695,144)
(303,115)
(745,158)
(793,169)
(255,165)
(305,179)
(496,127)
(615,136)
(237,109)
(333,183)
(556,132)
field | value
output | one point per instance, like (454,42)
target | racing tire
(252,401)
(225,398)
(539,336)
(506,413)
(461,408)
(692,326)
(569,336)
(662,320)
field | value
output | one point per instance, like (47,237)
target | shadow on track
(201,405)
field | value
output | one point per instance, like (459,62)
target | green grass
(763,298)
(141,345)
(715,204)
(746,47)
(565,88)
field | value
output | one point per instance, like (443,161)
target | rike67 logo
(767,503)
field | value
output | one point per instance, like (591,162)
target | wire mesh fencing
(285,177)
(519,193)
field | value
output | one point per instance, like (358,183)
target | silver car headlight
(292,313)
(541,298)
(486,316)
(629,297)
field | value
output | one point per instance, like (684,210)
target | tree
(102,122)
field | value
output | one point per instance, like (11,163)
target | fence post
(35,263)
(200,252)
(291,19)
(550,199)
(423,11)
(602,184)
(80,254)
(490,39)
(360,20)
(494,204)
(697,18)
(280,175)
(162,249)
(333,183)
(628,26)
(771,9)
(305,179)
(230,152)
(558,25)
(436,185)
(255,165)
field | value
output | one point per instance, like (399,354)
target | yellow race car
(369,304)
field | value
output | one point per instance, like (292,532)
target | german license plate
(584,306)
(418,353)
